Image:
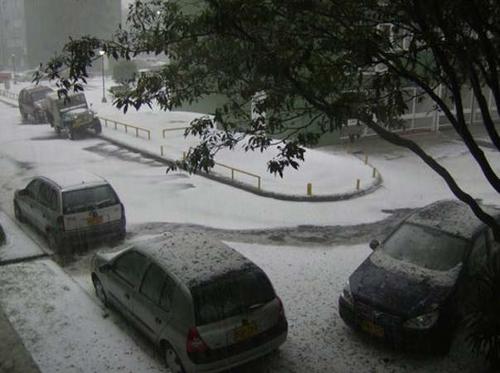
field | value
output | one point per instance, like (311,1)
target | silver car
(207,307)
(70,208)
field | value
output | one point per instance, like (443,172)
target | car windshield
(231,295)
(38,95)
(83,199)
(72,102)
(425,247)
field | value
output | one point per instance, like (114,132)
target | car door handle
(158,320)
(127,296)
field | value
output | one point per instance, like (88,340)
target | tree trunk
(441,171)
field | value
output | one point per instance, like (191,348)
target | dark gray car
(32,104)
(413,289)
(207,307)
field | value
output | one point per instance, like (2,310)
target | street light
(13,68)
(102,53)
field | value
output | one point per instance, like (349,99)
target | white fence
(423,114)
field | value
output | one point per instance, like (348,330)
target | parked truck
(72,115)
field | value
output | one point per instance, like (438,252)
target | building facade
(38,29)
(12,34)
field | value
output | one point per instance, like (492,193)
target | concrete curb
(251,189)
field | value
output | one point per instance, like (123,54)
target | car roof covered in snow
(73,180)
(452,216)
(194,259)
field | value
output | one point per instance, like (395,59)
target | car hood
(400,288)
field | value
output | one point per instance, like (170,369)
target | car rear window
(230,295)
(85,199)
(38,95)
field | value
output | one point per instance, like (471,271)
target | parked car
(70,208)
(413,289)
(71,114)
(205,306)
(32,103)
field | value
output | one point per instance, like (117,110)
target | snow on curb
(377,182)
(18,246)
(62,327)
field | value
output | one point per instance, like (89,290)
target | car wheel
(71,134)
(39,117)
(54,242)
(99,291)
(18,213)
(97,127)
(172,360)
(2,236)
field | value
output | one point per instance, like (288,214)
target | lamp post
(102,53)
(13,57)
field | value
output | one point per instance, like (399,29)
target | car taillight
(60,222)
(194,342)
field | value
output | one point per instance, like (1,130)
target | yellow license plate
(245,331)
(372,328)
(92,220)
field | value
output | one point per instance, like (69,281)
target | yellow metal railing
(126,126)
(172,129)
(233,170)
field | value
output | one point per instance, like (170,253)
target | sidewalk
(14,357)
(62,327)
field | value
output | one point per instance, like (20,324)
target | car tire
(39,117)
(54,242)
(2,236)
(97,127)
(72,134)
(18,214)
(99,291)
(172,359)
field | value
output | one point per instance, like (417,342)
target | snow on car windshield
(83,199)
(425,247)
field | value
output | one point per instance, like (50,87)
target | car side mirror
(374,244)
(105,268)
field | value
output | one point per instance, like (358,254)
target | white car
(70,208)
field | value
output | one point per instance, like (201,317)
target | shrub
(125,72)
(483,317)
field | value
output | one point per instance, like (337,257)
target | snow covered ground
(308,277)
(65,330)
(346,168)
(18,245)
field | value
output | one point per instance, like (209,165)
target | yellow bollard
(374,174)
(357,184)
(366,158)
(161,150)
(183,156)
(309,189)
